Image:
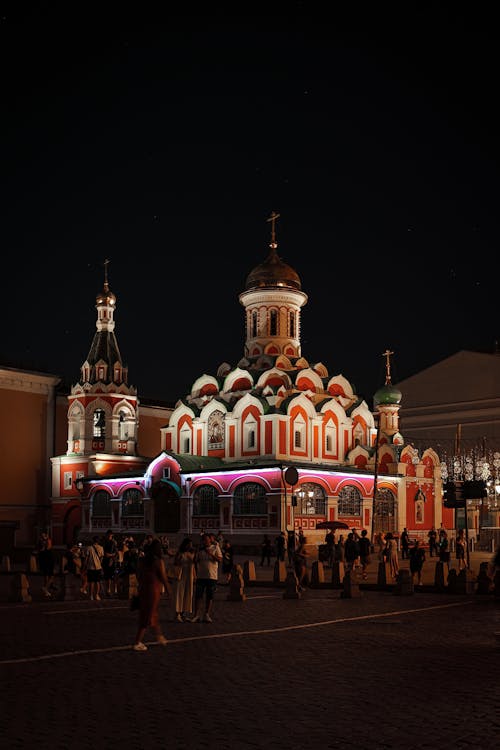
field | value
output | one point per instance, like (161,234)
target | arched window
(311,500)
(273,322)
(249,499)
(292,325)
(206,501)
(132,503)
(254,324)
(123,429)
(101,504)
(385,510)
(349,501)
(99,423)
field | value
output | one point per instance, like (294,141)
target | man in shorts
(208,557)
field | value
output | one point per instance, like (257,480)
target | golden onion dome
(106,297)
(273,272)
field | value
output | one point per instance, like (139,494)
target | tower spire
(106,285)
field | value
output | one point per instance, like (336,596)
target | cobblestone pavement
(322,671)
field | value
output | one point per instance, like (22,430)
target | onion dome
(388,394)
(106,297)
(272,273)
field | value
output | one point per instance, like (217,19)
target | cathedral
(268,444)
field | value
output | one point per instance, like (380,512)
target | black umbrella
(332,525)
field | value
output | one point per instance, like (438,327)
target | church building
(270,443)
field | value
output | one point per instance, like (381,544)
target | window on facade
(123,430)
(186,445)
(251,438)
(385,503)
(349,503)
(99,423)
(166,472)
(329,443)
(254,324)
(292,324)
(249,499)
(311,500)
(206,501)
(330,437)
(68,480)
(132,503)
(298,439)
(273,322)
(101,503)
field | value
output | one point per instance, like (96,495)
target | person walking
(300,564)
(290,547)
(184,585)
(417,558)
(364,552)
(460,547)
(351,552)
(208,558)
(45,555)
(152,580)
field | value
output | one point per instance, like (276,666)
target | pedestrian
(340,549)
(460,546)
(93,564)
(300,564)
(280,543)
(380,544)
(184,585)
(109,562)
(220,538)
(290,547)
(351,552)
(417,558)
(301,537)
(405,544)
(330,548)
(266,551)
(152,580)
(45,555)
(227,560)
(432,537)
(364,552)
(208,558)
(391,553)
(444,553)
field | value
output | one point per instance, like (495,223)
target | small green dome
(388,394)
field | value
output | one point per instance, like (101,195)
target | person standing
(266,551)
(444,552)
(392,553)
(300,564)
(432,537)
(227,560)
(417,558)
(184,585)
(460,549)
(351,552)
(405,544)
(280,543)
(45,555)
(109,563)
(340,549)
(290,547)
(208,558)
(364,552)
(330,547)
(152,580)
(93,564)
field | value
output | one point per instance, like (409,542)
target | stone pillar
(291,586)
(317,573)
(236,585)
(404,583)
(19,590)
(249,571)
(351,586)
(484,581)
(279,575)
(338,573)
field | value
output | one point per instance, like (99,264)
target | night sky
(165,146)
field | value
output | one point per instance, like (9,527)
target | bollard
(351,586)
(236,585)
(6,563)
(439,579)
(279,575)
(249,571)
(338,573)
(317,573)
(404,583)
(291,586)
(19,590)
(452,582)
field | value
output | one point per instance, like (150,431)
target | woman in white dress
(184,586)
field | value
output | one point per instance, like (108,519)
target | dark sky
(164,146)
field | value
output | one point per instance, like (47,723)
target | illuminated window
(249,499)
(349,503)
(132,503)
(205,501)
(101,504)
(68,480)
(311,500)
(123,426)
(99,423)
